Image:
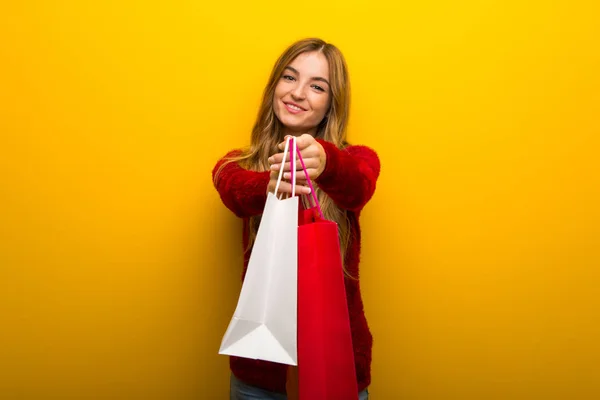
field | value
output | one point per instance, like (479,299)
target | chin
(289,123)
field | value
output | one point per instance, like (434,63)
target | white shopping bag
(264,325)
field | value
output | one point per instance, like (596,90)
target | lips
(293,107)
(294,104)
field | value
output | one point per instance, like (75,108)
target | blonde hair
(268,131)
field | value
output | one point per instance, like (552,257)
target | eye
(319,88)
(288,77)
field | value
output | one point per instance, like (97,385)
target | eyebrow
(316,78)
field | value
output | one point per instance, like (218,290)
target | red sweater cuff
(244,192)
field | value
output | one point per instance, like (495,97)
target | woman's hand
(313,155)
(285,186)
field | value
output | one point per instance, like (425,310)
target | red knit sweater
(349,179)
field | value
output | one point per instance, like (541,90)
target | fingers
(302,141)
(311,163)
(307,154)
(276,158)
(286,187)
(301,177)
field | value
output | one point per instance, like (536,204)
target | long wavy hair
(268,131)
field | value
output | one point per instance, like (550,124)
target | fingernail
(307,190)
(275,167)
(286,175)
(270,160)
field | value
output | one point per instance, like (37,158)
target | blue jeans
(239,390)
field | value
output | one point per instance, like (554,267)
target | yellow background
(119,266)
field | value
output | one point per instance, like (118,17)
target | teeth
(293,107)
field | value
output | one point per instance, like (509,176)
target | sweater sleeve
(350,175)
(244,192)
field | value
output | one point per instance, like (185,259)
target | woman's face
(302,95)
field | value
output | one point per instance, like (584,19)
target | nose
(298,92)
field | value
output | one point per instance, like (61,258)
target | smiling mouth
(293,107)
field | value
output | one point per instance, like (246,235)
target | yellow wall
(119,266)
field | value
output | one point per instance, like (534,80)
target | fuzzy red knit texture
(349,179)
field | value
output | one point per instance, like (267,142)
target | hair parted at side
(268,131)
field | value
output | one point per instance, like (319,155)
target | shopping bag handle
(312,189)
(293,160)
(296,150)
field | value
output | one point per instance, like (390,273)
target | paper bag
(264,324)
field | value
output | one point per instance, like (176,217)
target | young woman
(307,96)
